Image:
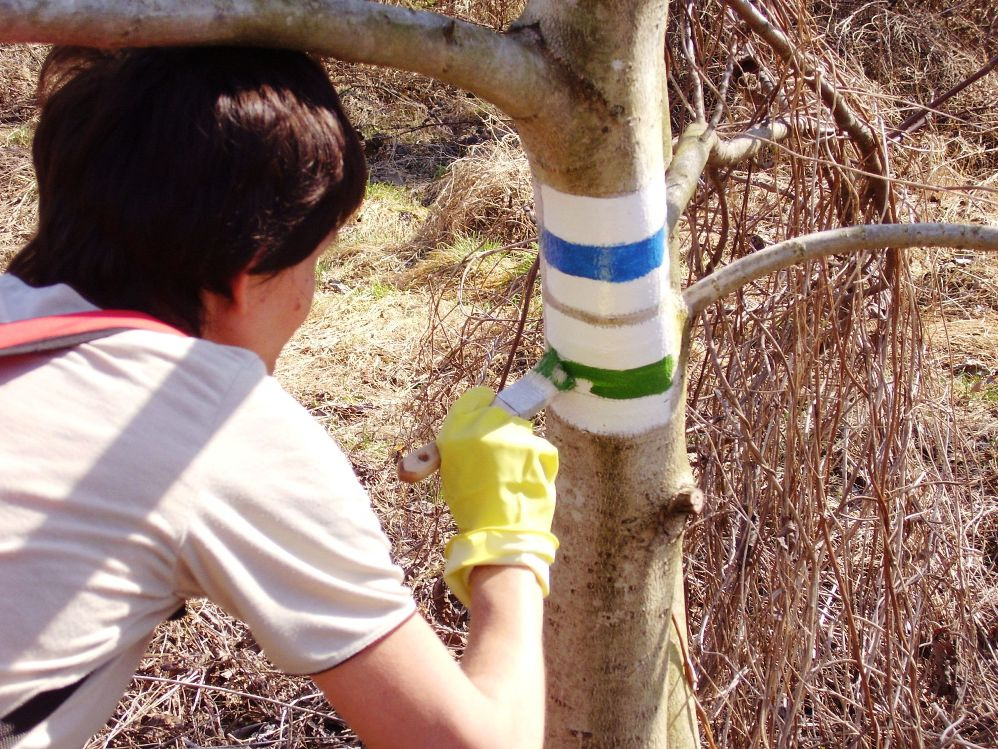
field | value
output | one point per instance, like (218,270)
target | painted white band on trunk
(602,221)
(605,258)
(618,347)
(607,299)
(620,418)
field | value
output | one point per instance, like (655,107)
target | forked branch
(700,146)
(708,290)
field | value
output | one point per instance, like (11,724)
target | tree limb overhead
(506,69)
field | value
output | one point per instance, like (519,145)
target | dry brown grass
(486,193)
(843,581)
(17,189)
(205,683)
(918,49)
(839,591)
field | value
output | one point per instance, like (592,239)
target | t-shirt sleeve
(283,537)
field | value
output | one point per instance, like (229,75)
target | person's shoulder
(20,301)
(186,351)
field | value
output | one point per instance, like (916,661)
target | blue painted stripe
(614,263)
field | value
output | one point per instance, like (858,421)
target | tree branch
(920,117)
(708,290)
(700,146)
(843,116)
(508,70)
(730,151)
(688,162)
(748,144)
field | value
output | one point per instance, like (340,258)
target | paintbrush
(524,398)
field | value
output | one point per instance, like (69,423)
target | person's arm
(405,691)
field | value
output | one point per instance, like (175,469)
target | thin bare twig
(528,292)
(237,692)
(919,118)
(864,137)
(690,51)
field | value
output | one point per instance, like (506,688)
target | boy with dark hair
(163,173)
(185,196)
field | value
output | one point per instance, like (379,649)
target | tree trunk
(616,671)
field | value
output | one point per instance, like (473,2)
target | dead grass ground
(367,368)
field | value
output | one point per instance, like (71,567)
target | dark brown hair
(164,172)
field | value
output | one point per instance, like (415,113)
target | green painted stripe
(651,379)
(617,384)
(550,367)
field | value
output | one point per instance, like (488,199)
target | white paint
(602,222)
(610,347)
(617,418)
(605,222)
(607,299)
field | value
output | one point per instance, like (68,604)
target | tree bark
(616,672)
(616,675)
(585,84)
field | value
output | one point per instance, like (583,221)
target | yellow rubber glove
(498,480)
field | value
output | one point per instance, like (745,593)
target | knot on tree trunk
(688,500)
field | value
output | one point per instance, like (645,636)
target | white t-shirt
(142,469)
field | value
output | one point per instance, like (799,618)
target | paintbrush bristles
(529,394)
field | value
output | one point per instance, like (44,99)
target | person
(198,187)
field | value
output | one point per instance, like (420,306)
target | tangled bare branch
(874,160)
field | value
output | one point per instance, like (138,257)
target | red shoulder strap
(62,331)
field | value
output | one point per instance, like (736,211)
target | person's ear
(239,289)
(222,312)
